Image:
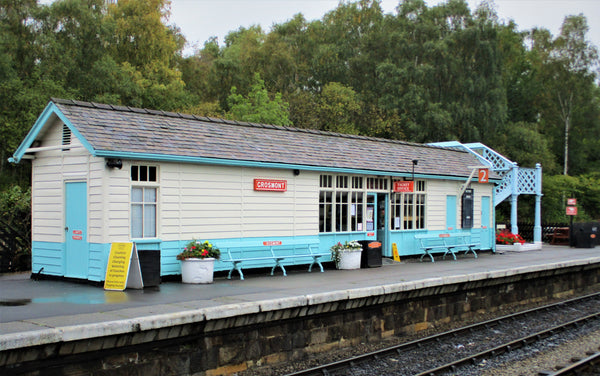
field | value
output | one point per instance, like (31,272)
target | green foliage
(421,74)
(257,107)
(585,188)
(15,229)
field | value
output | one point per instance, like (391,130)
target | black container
(150,267)
(585,234)
(371,254)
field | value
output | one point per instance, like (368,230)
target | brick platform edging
(214,314)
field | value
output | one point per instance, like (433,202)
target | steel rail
(509,346)
(579,367)
(325,369)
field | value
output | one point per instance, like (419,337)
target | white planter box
(350,260)
(195,270)
(517,247)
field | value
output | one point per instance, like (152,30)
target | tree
(257,107)
(572,59)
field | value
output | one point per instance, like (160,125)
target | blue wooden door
(450,212)
(487,233)
(76,242)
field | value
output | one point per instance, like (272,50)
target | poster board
(123,269)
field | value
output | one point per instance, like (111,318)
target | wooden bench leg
(278,264)
(236,266)
(315,261)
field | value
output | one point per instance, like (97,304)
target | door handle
(67,228)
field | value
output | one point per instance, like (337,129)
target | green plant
(339,248)
(196,249)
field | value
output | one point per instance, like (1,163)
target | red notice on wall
(270,185)
(404,186)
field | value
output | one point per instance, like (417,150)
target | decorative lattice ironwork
(526,180)
(525,177)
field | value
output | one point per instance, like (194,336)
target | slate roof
(118,130)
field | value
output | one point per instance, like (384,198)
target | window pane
(137,195)
(150,195)
(149,221)
(134,173)
(136,220)
(152,173)
(143,173)
(341,209)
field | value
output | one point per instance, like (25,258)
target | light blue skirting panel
(49,256)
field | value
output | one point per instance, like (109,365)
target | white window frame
(147,202)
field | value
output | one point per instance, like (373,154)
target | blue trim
(40,123)
(274,165)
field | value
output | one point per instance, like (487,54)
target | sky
(200,20)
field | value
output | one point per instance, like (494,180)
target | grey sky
(201,19)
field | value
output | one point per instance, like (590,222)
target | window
(143,212)
(342,201)
(408,209)
(325,211)
(356,211)
(144,201)
(143,173)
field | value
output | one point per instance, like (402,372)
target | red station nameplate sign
(404,186)
(270,185)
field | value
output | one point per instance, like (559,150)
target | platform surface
(31,308)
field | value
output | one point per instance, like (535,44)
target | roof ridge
(110,107)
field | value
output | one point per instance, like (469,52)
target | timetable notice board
(123,269)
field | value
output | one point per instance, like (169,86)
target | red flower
(204,252)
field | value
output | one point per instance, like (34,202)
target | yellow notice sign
(395,252)
(123,269)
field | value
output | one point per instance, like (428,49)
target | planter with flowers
(198,262)
(507,241)
(347,255)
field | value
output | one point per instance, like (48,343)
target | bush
(15,229)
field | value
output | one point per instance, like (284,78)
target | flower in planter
(339,248)
(506,237)
(196,249)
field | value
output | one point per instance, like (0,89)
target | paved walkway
(28,306)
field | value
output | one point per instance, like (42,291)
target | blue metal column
(537,229)
(514,228)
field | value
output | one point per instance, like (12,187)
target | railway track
(586,366)
(423,352)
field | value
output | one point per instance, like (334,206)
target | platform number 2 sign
(484,175)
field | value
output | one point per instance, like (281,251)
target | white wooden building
(104,174)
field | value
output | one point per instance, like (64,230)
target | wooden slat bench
(560,236)
(445,243)
(276,251)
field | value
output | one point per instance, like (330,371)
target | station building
(103,174)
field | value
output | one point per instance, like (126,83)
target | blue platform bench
(446,243)
(273,251)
